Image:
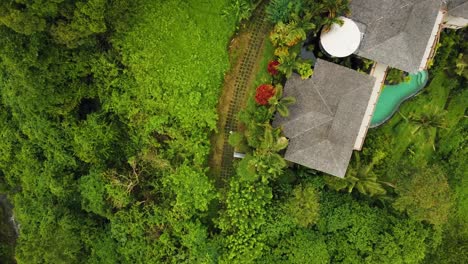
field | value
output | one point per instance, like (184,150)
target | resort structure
(333,111)
(324,123)
(457,14)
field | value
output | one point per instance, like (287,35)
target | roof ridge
(314,127)
(328,145)
(403,35)
(323,100)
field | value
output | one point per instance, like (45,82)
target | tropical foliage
(280,103)
(105,127)
(395,76)
(426,197)
(422,147)
(264,93)
(361,177)
(272,67)
(106,108)
(294,22)
(291,62)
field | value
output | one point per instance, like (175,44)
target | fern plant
(281,10)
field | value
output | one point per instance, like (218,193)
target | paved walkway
(243,74)
(379,71)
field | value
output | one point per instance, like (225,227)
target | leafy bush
(301,246)
(263,93)
(303,206)
(280,103)
(239,9)
(281,10)
(426,197)
(291,63)
(272,67)
(395,76)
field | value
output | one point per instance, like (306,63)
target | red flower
(264,92)
(272,67)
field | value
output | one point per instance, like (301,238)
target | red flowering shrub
(272,67)
(264,92)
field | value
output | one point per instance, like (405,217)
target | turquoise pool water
(393,95)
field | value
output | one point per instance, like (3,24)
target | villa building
(457,14)
(324,123)
(333,111)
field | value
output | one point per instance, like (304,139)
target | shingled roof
(396,32)
(323,124)
(458,8)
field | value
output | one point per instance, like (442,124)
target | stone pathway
(243,74)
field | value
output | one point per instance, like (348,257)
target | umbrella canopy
(341,41)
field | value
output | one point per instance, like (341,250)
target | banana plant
(267,160)
(272,141)
(291,62)
(280,103)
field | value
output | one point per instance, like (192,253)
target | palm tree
(434,118)
(361,177)
(364,179)
(334,8)
(280,103)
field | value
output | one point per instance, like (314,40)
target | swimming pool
(392,96)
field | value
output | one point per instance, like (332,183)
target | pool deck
(379,71)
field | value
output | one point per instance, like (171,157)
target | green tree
(358,233)
(426,196)
(303,205)
(300,246)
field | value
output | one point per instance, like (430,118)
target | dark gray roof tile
(458,8)
(325,121)
(397,31)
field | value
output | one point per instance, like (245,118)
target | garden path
(246,53)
